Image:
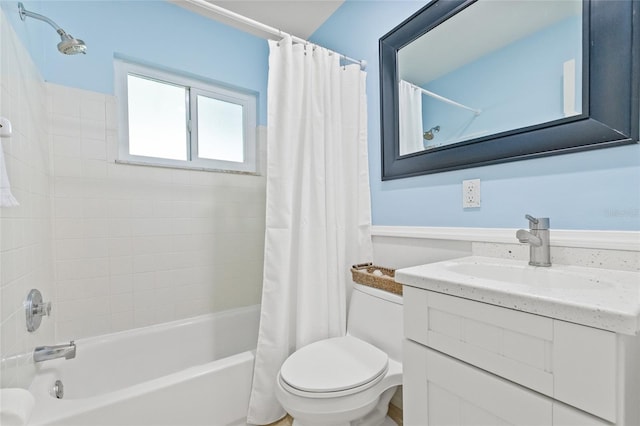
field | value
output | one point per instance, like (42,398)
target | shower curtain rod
(203,4)
(446,100)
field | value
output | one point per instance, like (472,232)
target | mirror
(447,79)
(473,82)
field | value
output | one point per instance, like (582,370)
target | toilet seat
(333,367)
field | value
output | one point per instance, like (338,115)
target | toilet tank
(375,316)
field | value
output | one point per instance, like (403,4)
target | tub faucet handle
(42,309)
(35,309)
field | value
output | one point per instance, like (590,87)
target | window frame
(193,88)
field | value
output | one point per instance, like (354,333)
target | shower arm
(24,13)
(68,45)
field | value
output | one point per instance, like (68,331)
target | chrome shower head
(68,45)
(429,134)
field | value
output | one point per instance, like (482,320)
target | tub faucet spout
(45,353)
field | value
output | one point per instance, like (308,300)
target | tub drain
(58,389)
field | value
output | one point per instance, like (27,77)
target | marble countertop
(601,298)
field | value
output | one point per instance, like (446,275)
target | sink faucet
(45,353)
(538,239)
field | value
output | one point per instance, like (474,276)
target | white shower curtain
(410,115)
(318,207)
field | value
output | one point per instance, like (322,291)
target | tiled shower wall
(25,231)
(136,245)
(113,246)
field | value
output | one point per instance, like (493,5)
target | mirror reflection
(494,67)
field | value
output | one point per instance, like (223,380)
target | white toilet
(348,380)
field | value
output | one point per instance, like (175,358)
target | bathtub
(196,371)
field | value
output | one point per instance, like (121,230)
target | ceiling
(297,17)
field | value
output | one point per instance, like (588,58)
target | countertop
(601,298)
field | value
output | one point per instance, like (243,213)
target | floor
(394,412)
(285,421)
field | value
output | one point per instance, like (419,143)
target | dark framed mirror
(466,83)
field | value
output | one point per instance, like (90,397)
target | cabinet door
(454,393)
(585,368)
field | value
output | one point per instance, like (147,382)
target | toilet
(349,380)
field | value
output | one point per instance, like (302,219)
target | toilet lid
(334,365)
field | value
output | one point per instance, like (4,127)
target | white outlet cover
(470,193)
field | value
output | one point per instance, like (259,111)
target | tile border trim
(608,240)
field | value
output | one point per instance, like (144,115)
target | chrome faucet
(45,353)
(538,239)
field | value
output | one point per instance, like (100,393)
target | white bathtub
(189,372)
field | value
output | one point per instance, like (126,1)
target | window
(172,120)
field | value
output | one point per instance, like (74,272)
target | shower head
(429,134)
(68,45)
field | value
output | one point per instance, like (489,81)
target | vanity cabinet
(469,363)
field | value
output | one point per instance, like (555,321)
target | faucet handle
(42,309)
(531,219)
(537,223)
(35,309)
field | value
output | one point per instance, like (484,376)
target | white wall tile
(93,107)
(68,290)
(122,302)
(64,146)
(122,321)
(94,169)
(64,101)
(96,288)
(119,284)
(67,330)
(93,129)
(66,125)
(67,166)
(25,231)
(94,207)
(119,247)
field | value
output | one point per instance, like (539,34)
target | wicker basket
(384,279)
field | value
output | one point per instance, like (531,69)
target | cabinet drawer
(455,393)
(568,362)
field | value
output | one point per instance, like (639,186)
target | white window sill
(185,167)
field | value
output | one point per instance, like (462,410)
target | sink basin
(557,277)
(596,297)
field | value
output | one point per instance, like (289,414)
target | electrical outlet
(470,193)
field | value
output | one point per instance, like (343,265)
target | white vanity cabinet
(471,363)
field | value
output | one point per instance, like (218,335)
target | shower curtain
(410,115)
(318,220)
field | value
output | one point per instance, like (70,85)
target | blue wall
(597,189)
(590,190)
(153,32)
